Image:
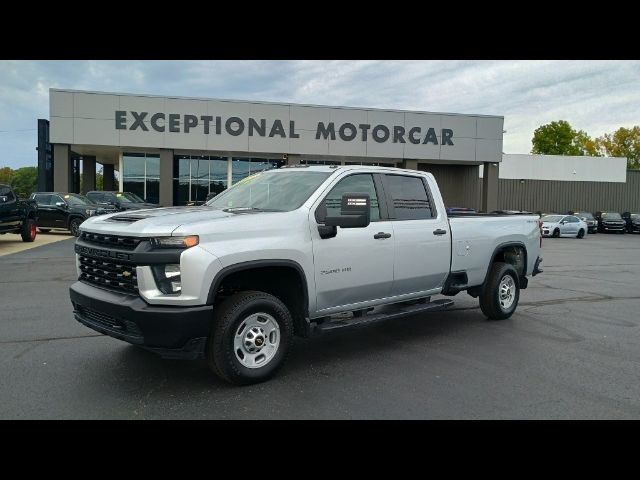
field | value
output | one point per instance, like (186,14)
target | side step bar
(378,315)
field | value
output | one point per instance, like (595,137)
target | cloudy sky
(595,96)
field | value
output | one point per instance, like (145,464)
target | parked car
(563,226)
(17,216)
(592,223)
(65,210)
(293,251)
(610,222)
(632,220)
(120,200)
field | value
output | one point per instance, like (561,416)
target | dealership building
(176,150)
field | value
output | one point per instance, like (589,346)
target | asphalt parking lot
(572,350)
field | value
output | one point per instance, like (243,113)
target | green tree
(624,142)
(559,138)
(24,181)
(5,174)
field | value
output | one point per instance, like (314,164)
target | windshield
(552,218)
(611,216)
(586,215)
(273,191)
(74,199)
(127,197)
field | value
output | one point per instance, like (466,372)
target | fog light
(168,278)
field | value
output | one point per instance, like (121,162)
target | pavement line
(49,339)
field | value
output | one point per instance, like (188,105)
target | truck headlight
(167,278)
(175,242)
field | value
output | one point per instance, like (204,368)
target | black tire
(74,226)
(228,318)
(44,230)
(490,295)
(28,232)
(556,233)
(581,233)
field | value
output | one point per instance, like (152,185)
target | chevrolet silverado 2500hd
(293,251)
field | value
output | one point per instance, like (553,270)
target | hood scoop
(128,218)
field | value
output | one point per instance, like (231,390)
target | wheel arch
(498,255)
(292,276)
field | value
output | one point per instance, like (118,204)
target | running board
(378,315)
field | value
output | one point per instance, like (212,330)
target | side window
(6,192)
(408,197)
(55,199)
(359,183)
(42,199)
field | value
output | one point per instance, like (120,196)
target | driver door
(356,266)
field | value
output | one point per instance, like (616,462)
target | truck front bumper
(172,332)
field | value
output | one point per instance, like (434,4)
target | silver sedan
(563,226)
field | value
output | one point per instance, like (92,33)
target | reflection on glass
(141,175)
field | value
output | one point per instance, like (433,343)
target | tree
(24,181)
(5,174)
(559,138)
(624,142)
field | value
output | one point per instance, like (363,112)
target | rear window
(408,197)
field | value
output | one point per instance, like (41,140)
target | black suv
(592,223)
(65,210)
(120,200)
(632,220)
(610,222)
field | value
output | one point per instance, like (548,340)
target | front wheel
(501,292)
(74,226)
(581,233)
(556,233)
(251,337)
(28,232)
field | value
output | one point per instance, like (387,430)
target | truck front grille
(123,243)
(114,275)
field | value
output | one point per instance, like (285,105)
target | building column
(490,186)
(166,178)
(88,174)
(62,171)
(229,171)
(410,164)
(108,180)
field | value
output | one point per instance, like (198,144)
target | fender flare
(238,267)
(501,247)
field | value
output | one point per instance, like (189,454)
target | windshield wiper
(249,209)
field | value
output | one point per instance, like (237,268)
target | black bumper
(172,332)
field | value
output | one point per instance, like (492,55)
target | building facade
(175,151)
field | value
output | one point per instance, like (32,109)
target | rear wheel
(28,232)
(581,233)
(74,226)
(250,339)
(501,292)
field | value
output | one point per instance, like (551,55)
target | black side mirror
(354,213)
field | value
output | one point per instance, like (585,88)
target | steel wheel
(256,340)
(506,292)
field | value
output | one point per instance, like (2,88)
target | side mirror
(354,213)
(563,222)
(61,204)
(3,198)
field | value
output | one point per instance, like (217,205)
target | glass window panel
(361,183)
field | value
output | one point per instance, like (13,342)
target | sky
(595,96)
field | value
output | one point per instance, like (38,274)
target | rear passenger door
(45,212)
(421,232)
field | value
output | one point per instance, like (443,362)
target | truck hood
(155,221)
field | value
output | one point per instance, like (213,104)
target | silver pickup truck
(295,251)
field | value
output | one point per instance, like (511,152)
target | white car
(563,226)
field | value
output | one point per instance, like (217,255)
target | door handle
(439,231)
(382,235)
